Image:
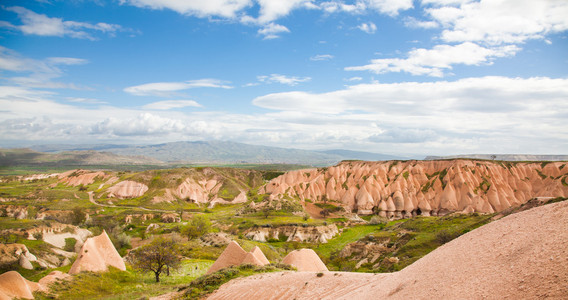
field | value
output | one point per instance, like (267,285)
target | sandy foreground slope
(522,256)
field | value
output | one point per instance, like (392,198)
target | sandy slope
(522,256)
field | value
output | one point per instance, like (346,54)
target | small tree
(198,226)
(78,216)
(266,212)
(325,212)
(158,256)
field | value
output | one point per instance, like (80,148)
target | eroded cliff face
(313,234)
(402,189)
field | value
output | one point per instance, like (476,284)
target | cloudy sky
(422,77)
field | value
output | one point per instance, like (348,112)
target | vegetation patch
(540,174)
(117,284)
(403,242)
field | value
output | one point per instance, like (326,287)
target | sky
(423,77)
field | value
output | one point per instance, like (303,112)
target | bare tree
(158,256)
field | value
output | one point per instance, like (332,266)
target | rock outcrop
(13,285)
(402,189)
(138,217)
(234,255)
(16,253)
(171,218)
(311,234)
(127,189)
(216,239)
(198,191)
(14,211)
(96,255)
(80,177)
(305,260)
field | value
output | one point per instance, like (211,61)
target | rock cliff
(310,234)
(402,189)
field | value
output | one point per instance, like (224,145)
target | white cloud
(199,8)
(445,2)
(404,135)
(170,104)
(485,94)
(415,23)
(271,10)
(335,6)
(39,24)
(85,100)
(355,78)
(144,124)
(522,115)
(433,62)
(389,7)
(321,57)
(283,79)
(499,22)
(454,115)
(41,72)
(165,89)
(66,61)
(369,27)
(272,31)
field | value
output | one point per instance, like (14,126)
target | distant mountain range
(28,157)
(223,152)
(505,157)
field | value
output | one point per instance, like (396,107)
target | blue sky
(424,77)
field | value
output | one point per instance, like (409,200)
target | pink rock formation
(408,188)
(305,260)
(251,260)
(13,285)
(521,256)
(127,189)
(198,191)
(259,255)
(96,255)
(80,177)
(234,255)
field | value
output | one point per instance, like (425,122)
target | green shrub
(38,236)
(70,244)
(444,236)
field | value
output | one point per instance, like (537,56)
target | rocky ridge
(402,189)
(312,234)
